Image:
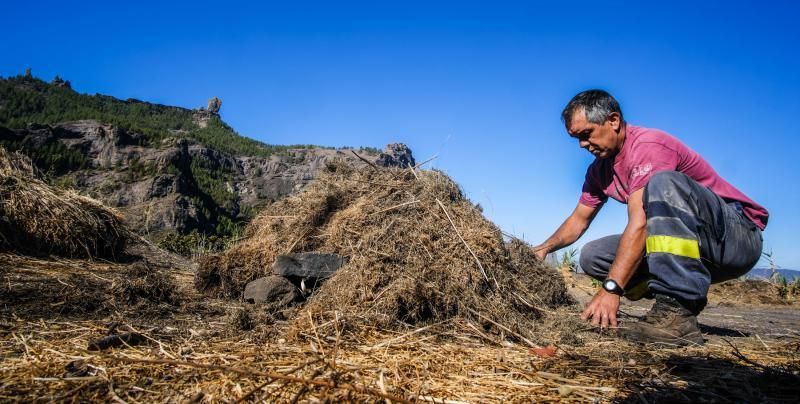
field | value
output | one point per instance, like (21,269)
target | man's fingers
(587,312)
(600,314)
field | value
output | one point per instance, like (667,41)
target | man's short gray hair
(598,105)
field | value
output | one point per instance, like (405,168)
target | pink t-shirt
(647,151)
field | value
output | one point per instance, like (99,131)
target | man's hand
(540,252)
(602,310)
(568,232)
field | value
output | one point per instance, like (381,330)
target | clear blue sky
(481,84)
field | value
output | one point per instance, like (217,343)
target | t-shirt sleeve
(592,194)
(647,159)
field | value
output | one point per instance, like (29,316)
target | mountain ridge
(789,275)
(167,169)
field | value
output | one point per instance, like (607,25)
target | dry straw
(419,253)
(36,218)
(192,354)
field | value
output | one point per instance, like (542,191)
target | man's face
(602,140)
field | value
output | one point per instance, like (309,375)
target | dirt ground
(208,350)
(739,309)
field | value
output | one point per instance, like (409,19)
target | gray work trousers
(694,238)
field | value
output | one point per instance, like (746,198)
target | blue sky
(480,84)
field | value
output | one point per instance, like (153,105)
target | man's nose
(583,143)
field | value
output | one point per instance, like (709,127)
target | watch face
(610,285)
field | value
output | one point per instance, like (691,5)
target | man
(687,227)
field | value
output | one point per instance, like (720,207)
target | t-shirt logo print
(642,170)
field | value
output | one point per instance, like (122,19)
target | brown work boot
(668,323)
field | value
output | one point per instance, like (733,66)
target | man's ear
(614,120)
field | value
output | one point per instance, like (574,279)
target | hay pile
(753,291)
(419,253)
(38,219)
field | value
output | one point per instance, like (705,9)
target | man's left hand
(602,310)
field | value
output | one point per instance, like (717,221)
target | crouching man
(687,227)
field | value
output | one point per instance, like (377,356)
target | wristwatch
(611,286)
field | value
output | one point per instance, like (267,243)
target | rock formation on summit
(396,155)
(214,105)
(201,116)
(59,82)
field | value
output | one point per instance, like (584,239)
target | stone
(308,265)
(271,289)
(396,155)
(214,105)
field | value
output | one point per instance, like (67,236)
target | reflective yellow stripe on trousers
(673,245)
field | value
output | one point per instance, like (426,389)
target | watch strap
(611,286)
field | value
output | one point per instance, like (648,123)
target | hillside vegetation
(25,100)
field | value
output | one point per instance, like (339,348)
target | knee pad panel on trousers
(663,182)
(670,188)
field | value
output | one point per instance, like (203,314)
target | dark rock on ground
(272,289)
(308,265)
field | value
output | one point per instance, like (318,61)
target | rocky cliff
(178,177)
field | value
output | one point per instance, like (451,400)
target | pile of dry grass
(38,219)
(419,253)
(751,291)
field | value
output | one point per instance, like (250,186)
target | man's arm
(569,231)
(603,307)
